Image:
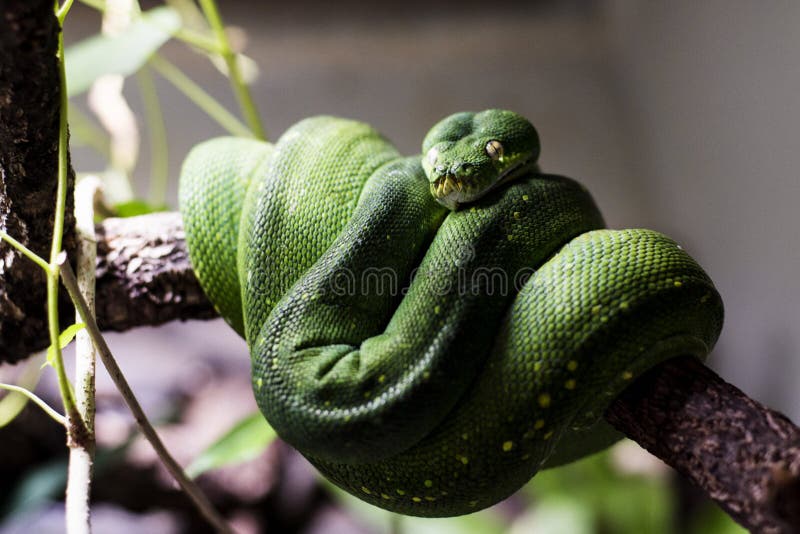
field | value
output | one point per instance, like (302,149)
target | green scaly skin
(431,331)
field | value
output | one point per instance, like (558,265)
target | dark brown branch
(742,454)
(29,118)
(143,273)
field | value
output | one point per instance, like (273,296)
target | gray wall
(713,92)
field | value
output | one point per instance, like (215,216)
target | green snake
(430,331)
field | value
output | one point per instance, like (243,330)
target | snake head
(468,154)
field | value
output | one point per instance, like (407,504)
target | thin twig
(159,152)
(199,96)
(240,89)
(60,419)
(188,486)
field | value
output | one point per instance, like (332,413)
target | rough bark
(745,456)
(143,273)
(29,117)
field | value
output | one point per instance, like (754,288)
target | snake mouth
(446,184)
(450,189)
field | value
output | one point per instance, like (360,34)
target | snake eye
(494,150)
(432,155)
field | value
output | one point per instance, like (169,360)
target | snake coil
(431,331)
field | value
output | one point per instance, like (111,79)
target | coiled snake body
(430,331)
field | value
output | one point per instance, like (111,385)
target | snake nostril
(462,168)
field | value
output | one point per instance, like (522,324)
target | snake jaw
(450,190)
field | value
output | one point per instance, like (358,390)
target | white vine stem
(81,456)
(186,484)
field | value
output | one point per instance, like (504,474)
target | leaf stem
(57,417)
(61,14)
(188,486)
(197,94)
(159,155)
(197,39)
(240,88)
(28,253)
(64,387)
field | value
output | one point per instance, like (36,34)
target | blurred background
(679,116)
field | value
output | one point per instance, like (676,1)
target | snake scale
(430,331)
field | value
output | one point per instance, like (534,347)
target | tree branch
(143,273)
(29,120)
(745,456)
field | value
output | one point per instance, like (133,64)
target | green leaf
(123,53)
(246,440)
(12,404)
(64,339)
(133,208)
